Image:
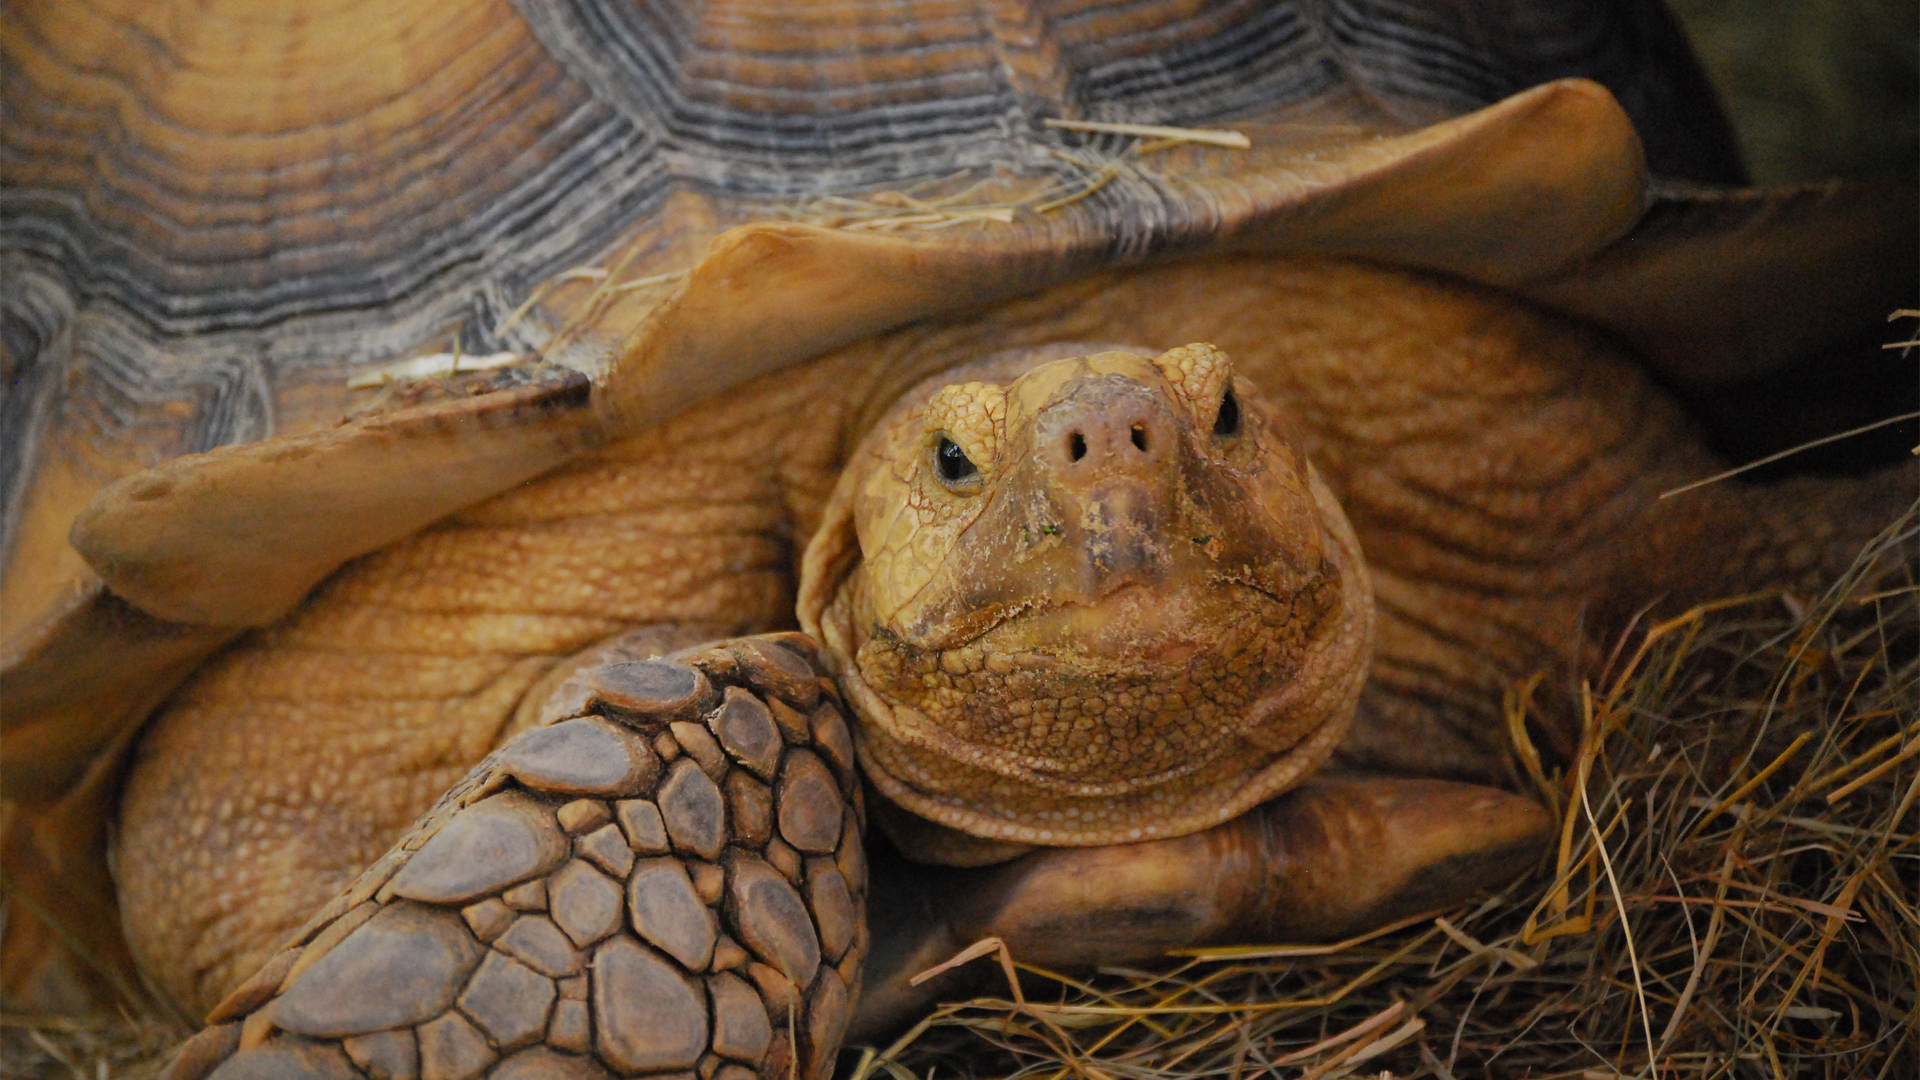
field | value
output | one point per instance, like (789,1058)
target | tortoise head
(1106,599)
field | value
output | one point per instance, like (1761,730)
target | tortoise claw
(669,879)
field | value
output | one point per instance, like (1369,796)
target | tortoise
(734,293)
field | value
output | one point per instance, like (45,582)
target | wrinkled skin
(289,764)
(1099,604)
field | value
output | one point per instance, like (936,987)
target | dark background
(1817,88)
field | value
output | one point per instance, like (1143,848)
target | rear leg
(1728,537)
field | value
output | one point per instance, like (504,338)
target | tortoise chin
(1108,599)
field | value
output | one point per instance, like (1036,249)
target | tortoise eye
(952,463)
(1227,420)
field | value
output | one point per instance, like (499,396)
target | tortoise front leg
(1331,858)
(668,875)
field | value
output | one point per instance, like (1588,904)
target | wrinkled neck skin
(1138,615)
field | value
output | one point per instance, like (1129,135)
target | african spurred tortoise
(1166,514)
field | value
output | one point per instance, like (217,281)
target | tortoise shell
(215,224)
(243,225)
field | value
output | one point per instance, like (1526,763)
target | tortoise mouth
(1096,696)
(1135,618)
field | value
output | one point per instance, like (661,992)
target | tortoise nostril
(1140,437)
(1076,446)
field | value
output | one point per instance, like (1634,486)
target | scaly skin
(1500,468)
(667,873)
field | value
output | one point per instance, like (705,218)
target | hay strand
(1232,140)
